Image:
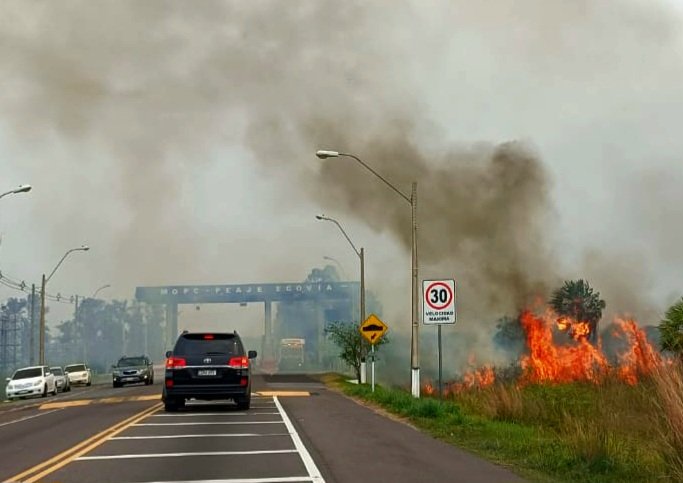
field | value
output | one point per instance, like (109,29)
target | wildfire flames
(640,358)
(548,361)
(574,358)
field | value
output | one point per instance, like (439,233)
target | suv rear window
(57,371)
(75,368)
(201,344)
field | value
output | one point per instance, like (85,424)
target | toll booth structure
(323,293)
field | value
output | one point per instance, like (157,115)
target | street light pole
(342,272)
(415,316)
(361,256)
(98,290)
(41,351)
(24,188)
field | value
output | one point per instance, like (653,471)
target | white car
(78,374)
(31,381)
(61,379)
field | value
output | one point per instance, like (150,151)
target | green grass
(573,432)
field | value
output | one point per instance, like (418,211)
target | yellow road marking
(284,393)
(108,400)
(98,438)
(66,404)
(153,397)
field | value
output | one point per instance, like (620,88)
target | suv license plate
(206,372)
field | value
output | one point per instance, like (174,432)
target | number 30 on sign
(438,302)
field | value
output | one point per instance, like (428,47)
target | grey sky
(178,139)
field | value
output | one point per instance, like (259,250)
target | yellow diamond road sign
(373,329)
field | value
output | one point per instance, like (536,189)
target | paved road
(296,431)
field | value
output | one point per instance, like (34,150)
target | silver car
(61,379)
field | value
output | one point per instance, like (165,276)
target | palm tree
(578,300)
(671,329)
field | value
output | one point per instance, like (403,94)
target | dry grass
(668,382)
(607,427)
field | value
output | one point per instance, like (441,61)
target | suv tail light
(241,362)
(175,362)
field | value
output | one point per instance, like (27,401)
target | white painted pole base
(372,367)
(415,382)
(363,373)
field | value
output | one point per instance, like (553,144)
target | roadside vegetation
(566,410)
(611,432)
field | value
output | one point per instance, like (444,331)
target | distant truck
(291,355)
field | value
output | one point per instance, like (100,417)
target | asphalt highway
(296,431)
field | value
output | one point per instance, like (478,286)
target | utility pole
(84,339)
(41,344)
(32,328)
(83,248)
(415,346)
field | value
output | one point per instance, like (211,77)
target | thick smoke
(482,212)
(129,100)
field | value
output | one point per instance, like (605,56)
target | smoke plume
(137,109)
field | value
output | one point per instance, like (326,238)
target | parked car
(61,379)
(131,370)
(207,366)
(31,381)
(78,374)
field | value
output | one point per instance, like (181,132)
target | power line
(20,285)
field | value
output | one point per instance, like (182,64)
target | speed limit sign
(438,301)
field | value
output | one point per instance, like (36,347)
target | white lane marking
(212,423)
(203,435)
(284,479)
(29,417)
(205,414)
(312,469)
(176,455)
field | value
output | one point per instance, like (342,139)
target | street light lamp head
(24,188)
(324,154)
(319,217)
(85,248)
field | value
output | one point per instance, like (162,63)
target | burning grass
(559,351)
(668,382)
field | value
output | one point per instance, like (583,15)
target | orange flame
(640,358)
(580,330)
(548,362)
(428,389)
(474,377)
(577,360)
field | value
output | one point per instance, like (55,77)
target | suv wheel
(172,405)
(243,402)
(44,391)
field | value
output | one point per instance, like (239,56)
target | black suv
(131,370)
(207,366)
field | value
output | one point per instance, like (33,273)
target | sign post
(373,329)
(438,303)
